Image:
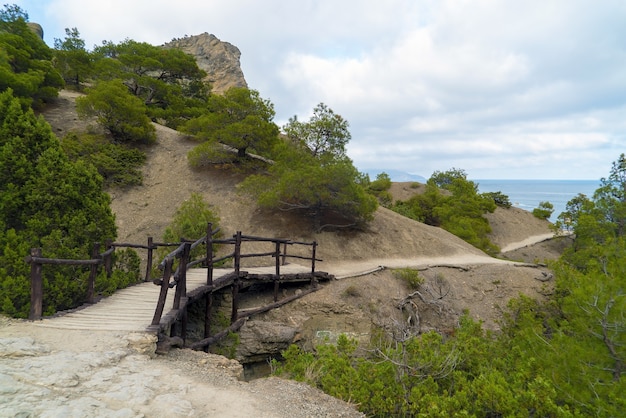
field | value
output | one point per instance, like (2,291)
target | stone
(260,339)
(142,343)
(36,27)
(21,347)
(219,59)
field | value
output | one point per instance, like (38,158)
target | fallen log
(223,333)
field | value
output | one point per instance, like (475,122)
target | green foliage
(25,60)
(190,222)
(191,219)
(563,357)
(469,374)
(453,203)
(312,176)
(71,59)
(598,223)
(324,133)
(167,81)
(239,119)
(380,188)
(610,197)
(49,202)
(125,272)
(121,113)
(499,198)
(228,345)
(118,164)
(544,210)
(326,190)
(409,276)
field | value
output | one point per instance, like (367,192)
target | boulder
(261,339)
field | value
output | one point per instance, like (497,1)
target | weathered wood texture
(132,309)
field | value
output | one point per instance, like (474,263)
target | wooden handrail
(36,260)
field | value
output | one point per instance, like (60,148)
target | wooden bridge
(145,307)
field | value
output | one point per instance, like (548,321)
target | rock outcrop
(36,27)
(219,59)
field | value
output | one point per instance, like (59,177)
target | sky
(503,89)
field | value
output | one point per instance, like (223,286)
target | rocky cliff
(219,59)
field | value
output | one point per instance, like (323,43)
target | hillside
(390,240)
(100,373)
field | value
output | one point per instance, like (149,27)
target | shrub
(118,164)
(544,210)
(118,111)
(190,222)
(410,276)
(125,272)
(499,198)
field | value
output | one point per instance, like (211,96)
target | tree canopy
(45,201)
(25,60)
(72,59)
(325,133)
(319,181)
(241,120)
(118,111)
(452,202)
(168,81)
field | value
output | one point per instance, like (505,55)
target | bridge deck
(132,309)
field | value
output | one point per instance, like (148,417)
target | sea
(527,194)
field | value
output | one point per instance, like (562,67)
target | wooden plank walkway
(132,309)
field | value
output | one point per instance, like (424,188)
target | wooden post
(165,284)
(149,261)
(108,259)
(235,290)
(183,325)
(181,286)
(93,272)
(208,315)
(284,253)
(313,278)
(277,276)
(36,286)
(209,254)
(208,299)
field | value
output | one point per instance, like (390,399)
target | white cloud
(504,88)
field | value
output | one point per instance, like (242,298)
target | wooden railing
(279,253)
(105,259)
(182,252)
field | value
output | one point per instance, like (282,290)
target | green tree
(325,133)
(45,201)
(241,120)
(544,210)
(499,198)
(25,60)
(380,188)
(168,81)
(321,183)
(452,202)
(598,222)
(121,113)
(190,222)
(72,60)
(610,197)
